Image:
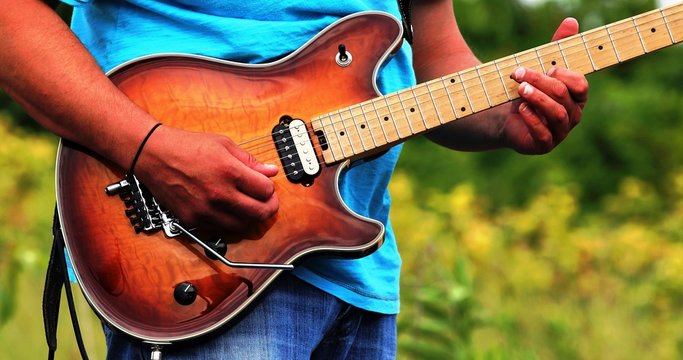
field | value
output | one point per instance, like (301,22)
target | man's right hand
(207,180)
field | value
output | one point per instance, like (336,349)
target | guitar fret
(450,99)
(358,129)
(419,108)
(675,17)
(349,130)
(369,126)
(345,133)
(486,92)
(507,65)
(467,96)
(616,52)
(590,57)
(578,59)
(566,64)
(539,60)
(428,104)
(461,96)
(566,60)
(502,81)
(392,117)
(549,55)
(666,22)
(381,123)
(495,90)
(598,42)
(530,60)
(328,132)
(341,135)
(439,117)
(640,37)
(392,113)
(625,37)
(405,112)
(649,25)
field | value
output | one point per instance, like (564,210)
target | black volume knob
(218,246)
(185,293)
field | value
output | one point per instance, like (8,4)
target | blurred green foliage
(543,281)
(25,190)
(577,254)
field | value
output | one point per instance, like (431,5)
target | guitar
(151,278)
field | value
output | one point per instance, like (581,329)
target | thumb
(568,27)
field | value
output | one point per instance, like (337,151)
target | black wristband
(142,145)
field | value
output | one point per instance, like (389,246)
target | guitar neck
(387,120)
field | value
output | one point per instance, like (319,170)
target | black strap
(404,6)
(52,295)
(57,277)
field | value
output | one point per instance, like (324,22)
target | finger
(537,129)
(251,176)
(568,27)
(231,210)
(247,159)
(254,184)
(575,82)
(554,100)
(556,114)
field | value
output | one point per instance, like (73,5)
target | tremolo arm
(146,215)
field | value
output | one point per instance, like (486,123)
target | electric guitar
(316,110)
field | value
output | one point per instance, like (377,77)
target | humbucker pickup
(295,148)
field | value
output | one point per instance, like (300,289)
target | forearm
(439,50)
(52,76)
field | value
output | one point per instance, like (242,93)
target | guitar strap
(404,7)
(57,277)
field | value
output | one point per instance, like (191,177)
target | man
(328,308)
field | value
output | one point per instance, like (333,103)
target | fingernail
(523,107)
(519,73)
(271,166)
(552,71)
(526,88)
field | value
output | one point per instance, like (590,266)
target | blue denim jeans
(293,321)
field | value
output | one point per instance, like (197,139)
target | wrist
(131,170)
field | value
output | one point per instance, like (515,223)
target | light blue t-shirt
(257,31)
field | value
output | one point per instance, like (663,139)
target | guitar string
(445,87)
(582,48)
(350,110)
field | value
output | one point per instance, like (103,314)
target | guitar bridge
(142,210)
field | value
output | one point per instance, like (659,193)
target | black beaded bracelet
(142,145)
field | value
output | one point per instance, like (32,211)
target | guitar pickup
(295,148)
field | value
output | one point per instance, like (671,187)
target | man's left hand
(550,104)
